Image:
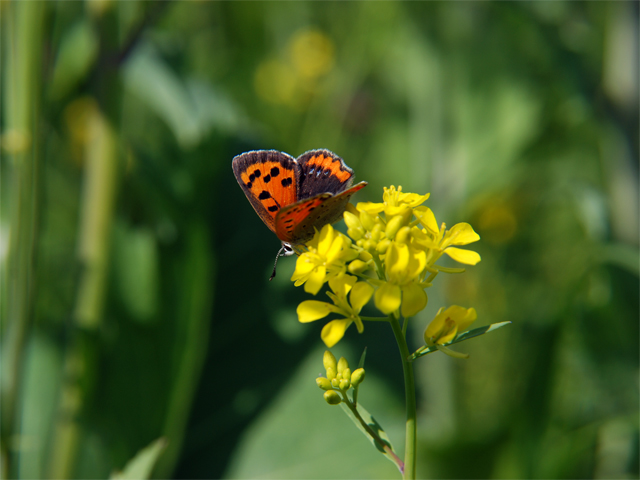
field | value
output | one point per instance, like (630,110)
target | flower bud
(335,383)
(383,245)
(331,373)
(346,374)
(329,361)
(403,235)
(357,266)
(365,256)
(345,384)
(357,377)
(342,364)
(377,232)
(332,397)
(393,226)
(368,222)
(323,383)
(354,227)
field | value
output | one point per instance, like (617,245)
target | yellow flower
(403,267)
(448,323)
(359,295)
(440,240)
(395,202)
(328,252)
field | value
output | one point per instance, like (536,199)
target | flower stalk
(410,398)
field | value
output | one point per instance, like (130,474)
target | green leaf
(362,357)
(140,466)
(422,351)
(388,452)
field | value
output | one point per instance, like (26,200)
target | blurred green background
(135,301)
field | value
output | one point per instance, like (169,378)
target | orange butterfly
(295,197)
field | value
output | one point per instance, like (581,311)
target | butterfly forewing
(322,171)
(269,180)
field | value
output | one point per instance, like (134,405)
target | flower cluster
(339,378)
(389,255)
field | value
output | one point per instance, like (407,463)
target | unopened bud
(332,397)
(331,373)
(383,245)
(403,235)
(365,256)
(335,383)
(346,374)
(357,377)
(323,383)
(342,364)
(344,384)
(393,226)
(328,360)
(354,227)
(357,266)
(367,221)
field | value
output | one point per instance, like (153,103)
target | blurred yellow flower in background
(292,78)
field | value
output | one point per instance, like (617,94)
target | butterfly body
(294,197)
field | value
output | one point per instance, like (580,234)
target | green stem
(410,394)
(375,319)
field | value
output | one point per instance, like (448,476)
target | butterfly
(294,197)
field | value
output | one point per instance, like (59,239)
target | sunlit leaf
(140,466)
(387,448)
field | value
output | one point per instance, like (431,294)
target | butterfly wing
(322,171)
(269,180)
(297,223)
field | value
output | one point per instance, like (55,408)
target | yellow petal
(448,333)
(417,263)
(311,310)
(397,260)
(336,249)
(434,329)
(464,317)
(342,284)
(304,264)
(333,331)
(360,295)
(427,219)
(387,298)
(316,280)
(414,299)
(462,234)
(325,240)
(371,208)
(467,257)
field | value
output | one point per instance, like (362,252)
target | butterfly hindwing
(322,171)
(269,180)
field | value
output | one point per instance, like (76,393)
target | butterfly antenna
(285,251)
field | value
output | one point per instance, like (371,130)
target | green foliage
(134,302)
